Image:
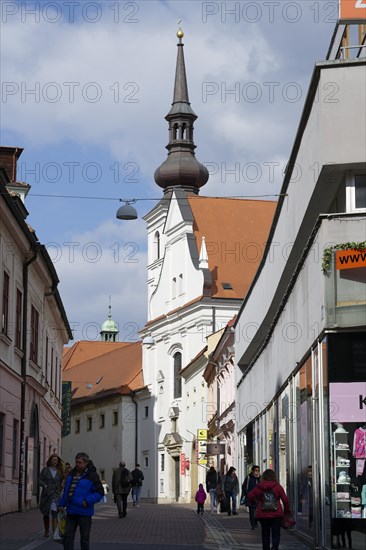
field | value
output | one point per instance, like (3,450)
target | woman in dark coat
(51,480)
(269,494)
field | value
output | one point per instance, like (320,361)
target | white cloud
(124,61)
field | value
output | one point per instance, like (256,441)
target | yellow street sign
(202,434)
(202,461)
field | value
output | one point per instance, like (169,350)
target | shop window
(348,455)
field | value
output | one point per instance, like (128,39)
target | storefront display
(348,460)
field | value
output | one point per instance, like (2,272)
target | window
(356,193)
(46,361)
(177,377)
(18,320)
(77,425)
(180,280)
(146,412)
(146,461)
(89,423)
(101,422)
(157,246)
(56,375)
(51,381)
(15,448)
(2,429)
(360,191)
(5,315)
(115,418)
(162,462)
(174,288)
(33,355)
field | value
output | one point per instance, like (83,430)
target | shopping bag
(288,520)
(59,532)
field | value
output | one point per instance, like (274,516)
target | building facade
(34,329)
(300,402)
(110,408)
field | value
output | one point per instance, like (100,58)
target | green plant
(327,253)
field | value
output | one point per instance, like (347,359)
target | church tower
(181,170)
(109,330)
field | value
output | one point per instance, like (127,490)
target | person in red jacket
(270,511)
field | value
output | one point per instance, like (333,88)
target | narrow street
(150,527)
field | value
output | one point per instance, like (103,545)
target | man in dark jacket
(121,485)
(137,479)
(250,483)
(83,489)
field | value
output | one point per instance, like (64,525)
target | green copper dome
(109,329)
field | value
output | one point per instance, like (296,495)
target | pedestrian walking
(270,512)
(121,485)
(200,498)
(250,482)
(212,480)
(136,484)
(230,485)
(105,489)
(51,480)
(83,489)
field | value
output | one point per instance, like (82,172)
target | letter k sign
(362,402)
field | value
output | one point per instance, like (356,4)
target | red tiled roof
(235,232)
(110,367)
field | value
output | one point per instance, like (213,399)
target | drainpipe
(24,374)
(132,395)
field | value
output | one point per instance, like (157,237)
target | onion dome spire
(181,169)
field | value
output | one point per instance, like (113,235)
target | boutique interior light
(126,211)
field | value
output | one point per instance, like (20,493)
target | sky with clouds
(85,89)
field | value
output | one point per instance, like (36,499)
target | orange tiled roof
(84,350)
(235,232)
(109,366)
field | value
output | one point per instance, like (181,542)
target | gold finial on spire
(180,32)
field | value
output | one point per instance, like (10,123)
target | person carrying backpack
(270,512)
(137,479)
(121,485)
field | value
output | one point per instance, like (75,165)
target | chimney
(8,161)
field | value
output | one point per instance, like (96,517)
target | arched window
(175,131)
(177,357)
(174,288)
(157,246)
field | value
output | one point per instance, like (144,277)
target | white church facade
(195,287)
